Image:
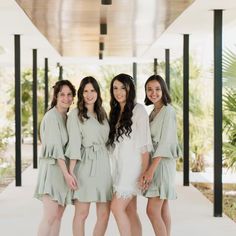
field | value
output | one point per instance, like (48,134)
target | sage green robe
(165,142)
(54,138)
(87,145)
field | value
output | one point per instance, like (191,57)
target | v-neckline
(156,114)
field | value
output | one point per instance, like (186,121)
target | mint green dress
(87,145)
(54,138)
(165,142)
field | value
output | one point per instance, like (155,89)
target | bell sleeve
(52,146)
(167,146)
(73,148)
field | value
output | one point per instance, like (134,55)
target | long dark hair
(117,130)
(82,110)
(165,93)
(58,87)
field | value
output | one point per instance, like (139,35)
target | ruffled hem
(51,182)
(92,196)
(161,192)
(59,199)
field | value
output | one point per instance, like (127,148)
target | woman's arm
(70,180)
(145,164)
(147,176)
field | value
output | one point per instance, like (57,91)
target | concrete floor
(192,213)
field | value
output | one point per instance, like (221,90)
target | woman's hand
(146,179)
(71,181)
(147,176)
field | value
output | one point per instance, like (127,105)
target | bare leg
(50,209)
(166,216)
(118,208)
(81,214)
(57,223)
(136,227)
(154,209)
(103,212)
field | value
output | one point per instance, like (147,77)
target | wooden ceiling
(73,26)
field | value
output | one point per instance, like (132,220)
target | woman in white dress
(130,141)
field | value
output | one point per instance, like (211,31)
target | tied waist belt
(91,153)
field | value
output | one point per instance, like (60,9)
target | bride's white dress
(126,157)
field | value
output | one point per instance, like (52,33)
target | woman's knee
(104,215)
(59,213)
(115,208)
(151,211)
(51,218)
(81,215)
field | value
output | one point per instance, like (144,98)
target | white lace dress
(126,157)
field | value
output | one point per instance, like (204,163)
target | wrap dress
(87,144)
(54,138)
(165,143)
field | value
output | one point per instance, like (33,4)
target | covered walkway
(191,213)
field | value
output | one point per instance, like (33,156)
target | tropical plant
(26,96)
(229,121)
(229,68)
(199,115)
(229,108)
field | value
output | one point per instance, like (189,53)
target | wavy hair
(165,93)
(58,87)
(122,126)
(82,109)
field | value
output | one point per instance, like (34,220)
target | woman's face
(119,92)
(89,94)
(64,98)
(154,92)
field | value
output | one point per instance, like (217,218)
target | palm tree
(229,108)
(199,111)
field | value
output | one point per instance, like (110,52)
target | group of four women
(87,157)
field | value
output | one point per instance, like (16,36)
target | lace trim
(124,194)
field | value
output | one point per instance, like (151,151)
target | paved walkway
(191,213)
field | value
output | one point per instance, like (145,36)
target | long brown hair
(82,109)
(125,121)
(58,87)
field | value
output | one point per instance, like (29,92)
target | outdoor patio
(191,213)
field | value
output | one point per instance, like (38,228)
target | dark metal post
(35,110)
(186,109)
(218,113)
(167,69)
(17,111)
(46,84)
(135,73)
(155,66)
(60,73)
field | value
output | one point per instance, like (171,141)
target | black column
(135,73)
(167,67)
(218,113)
(60,73)
(186,108)
(46,84)
(17,111)
(35,110)
(155,66)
